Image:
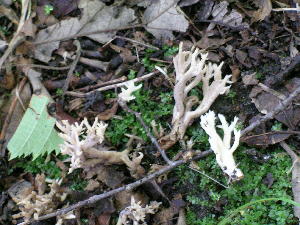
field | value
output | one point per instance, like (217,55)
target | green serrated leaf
(35,134)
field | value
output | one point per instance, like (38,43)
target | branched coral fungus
(221,147)
(34,203)
(190,71)
(84,143)
(136,214)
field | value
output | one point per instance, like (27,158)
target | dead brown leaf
(235,71)
(250,79)
(264,10)
(107,175)
(9,13)
(108,113)
(211,43)
(123,199)
(266,138)
(266,102)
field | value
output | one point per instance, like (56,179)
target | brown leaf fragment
(235,73)
(25,96)
(123,198)
(104,219)
(264,10)
(266,138)
(250,79)
(266,102)
(92,185)
(292,84)
(242,57)
(9,13)
(8,81)
(108,113)
(62,115)
(166,215)
(211,43)
(43,19)
(64,7)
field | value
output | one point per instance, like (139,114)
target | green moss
(40,165)
(251,188)
(151,107)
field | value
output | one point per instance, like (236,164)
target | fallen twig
(137,42)
(72,67)
(295,176)
(102,84)
(18,35)
(109,87)
(127,187)
(39,66)
(148,132)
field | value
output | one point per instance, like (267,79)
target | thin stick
(18,35)
(72,67)
(146,128)
(213,179)
(39,66)
(9,116)
(109,87)
(137,42)
(270,115)
(127,187)
(102,84)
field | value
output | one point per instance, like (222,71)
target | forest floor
(67,60)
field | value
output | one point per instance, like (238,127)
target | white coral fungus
(73,146)
(136,213)
(84,143)
(221,147)
(191,68)
(126,94)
